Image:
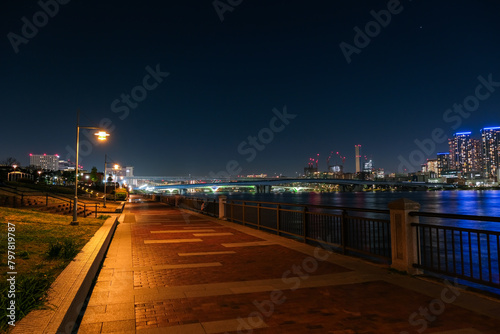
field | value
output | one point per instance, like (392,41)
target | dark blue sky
(226,77)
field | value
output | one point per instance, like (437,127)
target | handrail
(455,228)
(330,207)
(454,216)
(47,194)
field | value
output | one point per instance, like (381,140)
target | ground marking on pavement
(182,231)
(171,241)
(249,244)
(206,253)
(187,265)
(211,234)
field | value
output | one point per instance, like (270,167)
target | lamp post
(105,178)
(115,167)
(101,135)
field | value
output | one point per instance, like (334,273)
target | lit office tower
(490,138)
(461,152)
(44,161)
(443,162)
(357,149)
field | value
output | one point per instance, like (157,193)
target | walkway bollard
(222,207)
(403,235)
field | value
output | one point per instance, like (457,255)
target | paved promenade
(171,271)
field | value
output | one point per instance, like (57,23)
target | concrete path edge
(67,294)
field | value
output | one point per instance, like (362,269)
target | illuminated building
(461,152)
(443,162)
(490,139)
(118,173)
(45,162)
(475,156)
(432,166)
(368,166)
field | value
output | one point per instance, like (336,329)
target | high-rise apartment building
(443,162)
(490,140)
(461,152)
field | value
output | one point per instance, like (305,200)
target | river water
(466,202)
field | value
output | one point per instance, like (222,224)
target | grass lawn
(44,245)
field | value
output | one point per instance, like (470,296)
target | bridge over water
(265,185)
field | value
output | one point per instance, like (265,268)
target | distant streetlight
(101,135)
(116,166)
(14,166)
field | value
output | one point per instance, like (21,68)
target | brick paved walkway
(170,271)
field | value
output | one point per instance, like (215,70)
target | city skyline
(466,155)
(194,89)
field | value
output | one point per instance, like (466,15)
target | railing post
(22,198)
(258,216)
(96,210)
(304,223)
(343,223)
(177,200)
(278,218)
(243,214)
(232,211)
(222,207)
(84,209)
(403,236)
(47,199)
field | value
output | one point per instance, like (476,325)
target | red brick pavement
(375,306)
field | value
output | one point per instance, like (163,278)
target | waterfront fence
(394,236)
(467,253)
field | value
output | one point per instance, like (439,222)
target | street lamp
(105,178)
(101,135)
(115,167)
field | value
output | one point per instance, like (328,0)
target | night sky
(216,82)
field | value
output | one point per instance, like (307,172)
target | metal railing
(201,205)
(335,228)
(467,253)
(24,195)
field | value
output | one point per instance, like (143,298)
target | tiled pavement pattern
(168,271)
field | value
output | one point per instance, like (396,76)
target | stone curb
(70,289)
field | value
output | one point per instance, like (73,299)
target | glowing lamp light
(102,135)
(116,166)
